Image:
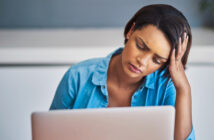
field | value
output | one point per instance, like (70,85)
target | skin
(148,60)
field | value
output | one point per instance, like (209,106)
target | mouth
(134,69)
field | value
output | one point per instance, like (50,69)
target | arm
(183,107)
(183,117)
(170,100)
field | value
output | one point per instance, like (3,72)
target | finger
(172,58)
(184,44)
(179,50)
(185,41)
(184,36)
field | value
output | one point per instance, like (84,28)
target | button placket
(135,95)
(104,91)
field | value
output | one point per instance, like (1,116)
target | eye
(140,46)
(157,61)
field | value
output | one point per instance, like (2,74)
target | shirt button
(103,86)
(135,97)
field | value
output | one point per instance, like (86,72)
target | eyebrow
(149,48)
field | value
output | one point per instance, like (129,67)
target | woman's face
(146,51)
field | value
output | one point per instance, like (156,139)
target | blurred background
(41,39)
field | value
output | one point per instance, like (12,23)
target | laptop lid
(126,123)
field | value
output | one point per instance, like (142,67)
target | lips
(134,69)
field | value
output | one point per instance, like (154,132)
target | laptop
(124,123)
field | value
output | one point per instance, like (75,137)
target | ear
(128,35)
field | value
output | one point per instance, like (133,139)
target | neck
(117,75)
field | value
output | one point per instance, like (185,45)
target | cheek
(130,52)
(153,67)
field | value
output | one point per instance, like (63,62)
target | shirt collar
(100,74)
(149,81)
(151,78)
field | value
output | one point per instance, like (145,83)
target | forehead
(155,40)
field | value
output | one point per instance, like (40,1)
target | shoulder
(164,88)
(80,73)
(84,68)
(161,80)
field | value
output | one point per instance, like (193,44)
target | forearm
(183,117)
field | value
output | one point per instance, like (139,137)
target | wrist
(183,86)
(183,90)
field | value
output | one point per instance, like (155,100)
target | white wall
(201,79)
(22,91)
(27,89)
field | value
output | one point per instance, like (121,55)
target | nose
(143,59)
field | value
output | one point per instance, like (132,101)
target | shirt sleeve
(65,93)
(170,100)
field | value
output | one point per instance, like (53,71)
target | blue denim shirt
(84,85)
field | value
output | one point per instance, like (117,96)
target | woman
(148,71)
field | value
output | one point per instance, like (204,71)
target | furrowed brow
(144,44)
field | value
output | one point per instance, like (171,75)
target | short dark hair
(167,19)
